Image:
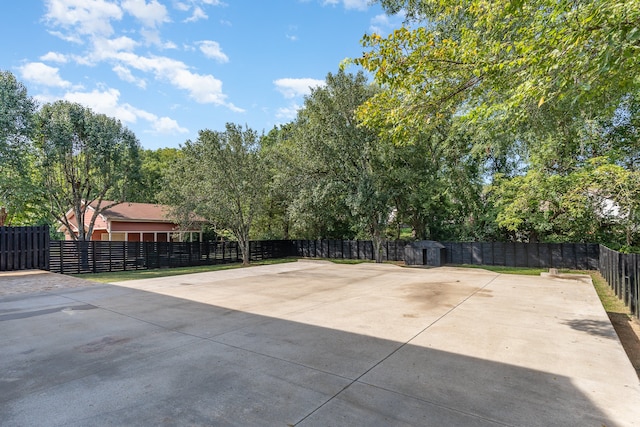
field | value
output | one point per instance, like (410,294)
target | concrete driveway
(315,344)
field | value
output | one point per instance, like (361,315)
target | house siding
(142,227)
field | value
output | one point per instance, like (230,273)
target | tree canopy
(221,179)
(17,176)
(547,92)
(85,159)
(343,163)
(502,59)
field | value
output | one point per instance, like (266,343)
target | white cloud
(104,102)
(291,88)
(125,74)
(203,88)
(150,14)
(168,126)
(212,50)
(198,14)
(151,36)
(170,45)
(107,102)
(92,20)
(106,48)
(40,73)
(383,24)
(54,57)
(184,7)
(83,16)
(349,4)
(356,4)
(71,38)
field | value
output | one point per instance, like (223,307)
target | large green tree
(502,59)
(343,163)
(18,191)
(279,152)
(222,179)
(85,159)
(545,87)
(436,184)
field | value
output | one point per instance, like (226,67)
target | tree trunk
(377,241)
(3,216)
(243,242)
(245,254)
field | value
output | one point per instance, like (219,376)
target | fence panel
(544,255)
(622,273)
(24,248)
(392,250)
(512,254)
(70,257)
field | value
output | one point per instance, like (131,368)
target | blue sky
(169,68)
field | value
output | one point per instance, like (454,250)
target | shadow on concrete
(628,335)
(141,358)
(598,328)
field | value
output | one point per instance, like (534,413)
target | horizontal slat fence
(622,273)
(24,248)
(30,248)
(70,257)
(580,256)
(577,256)
(392,250)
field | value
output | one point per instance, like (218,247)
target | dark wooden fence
(577,256)
(69,257)
(580,256)
(392,250)
(622,273)
(23,248)
(30,248)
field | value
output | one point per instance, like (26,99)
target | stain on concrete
(103,344)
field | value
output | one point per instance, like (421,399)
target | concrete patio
(315,344)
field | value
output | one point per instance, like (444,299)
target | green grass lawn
(120,276)
(610,300)
(508,270)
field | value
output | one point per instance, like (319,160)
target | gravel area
(30,281)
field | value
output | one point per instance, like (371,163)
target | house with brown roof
(133,222)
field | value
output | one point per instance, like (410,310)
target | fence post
(124,256)
(93,250)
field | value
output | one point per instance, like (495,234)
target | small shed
(425,252)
